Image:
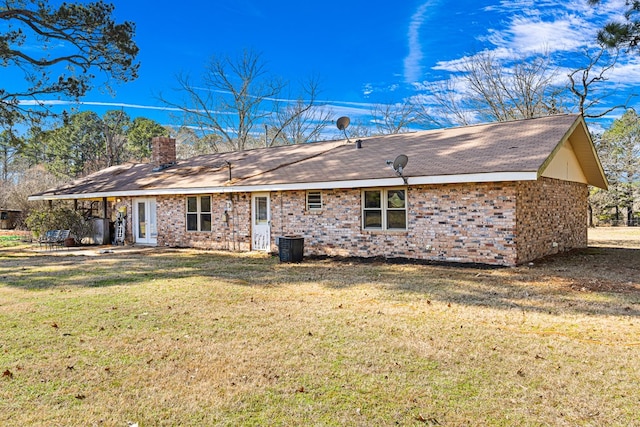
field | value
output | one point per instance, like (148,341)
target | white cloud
(413,60)
(551,26)
(542,7)
(56,102)
(627,73)
(456,64)
(564,30)
(351,112)
(526,35)
(338,108)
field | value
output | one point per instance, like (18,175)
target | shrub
(59,218)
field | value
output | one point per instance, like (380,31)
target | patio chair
(48,238)
(61,237)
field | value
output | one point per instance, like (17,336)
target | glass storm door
(261,221)
(144,221)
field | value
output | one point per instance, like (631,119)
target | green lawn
(9,240)
(185,337)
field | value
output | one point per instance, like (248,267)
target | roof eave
(601,180)
(322,185)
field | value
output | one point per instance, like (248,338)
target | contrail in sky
(412,62)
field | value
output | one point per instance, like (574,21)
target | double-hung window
(384,209)
(199,213)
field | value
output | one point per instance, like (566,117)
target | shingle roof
(517,146)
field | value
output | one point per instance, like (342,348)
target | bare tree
(300,121)
(8,152)
(115,124)
(236,98)
(394,117)
(584,80)
(189,144)
(357,129)
(230,98)
(486,87)
(517,88)
(28,181)
(442,106)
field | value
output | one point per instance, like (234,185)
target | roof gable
(565,165)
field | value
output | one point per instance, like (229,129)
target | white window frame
(314,206)
(384,208)
(199,213)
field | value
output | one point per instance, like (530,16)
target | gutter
(323,185)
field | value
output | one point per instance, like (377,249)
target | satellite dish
(399,163)
(343,123)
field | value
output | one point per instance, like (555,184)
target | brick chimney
(163,152)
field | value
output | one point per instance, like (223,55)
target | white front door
(145,227)
(261,222)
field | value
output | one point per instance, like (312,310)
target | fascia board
(324,185)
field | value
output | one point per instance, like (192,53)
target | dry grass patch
(202,338)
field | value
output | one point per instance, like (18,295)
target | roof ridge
(497,122)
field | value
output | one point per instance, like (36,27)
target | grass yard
(9,240)
(185,337)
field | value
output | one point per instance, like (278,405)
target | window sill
(395,232)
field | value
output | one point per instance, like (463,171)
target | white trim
(260,231)
(474,177)
(384,208)
(309,208)
(324,185)
(198,213)
(151,223)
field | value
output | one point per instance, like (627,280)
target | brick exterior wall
(231,235)
(456,223)
(551,217)
(490,223)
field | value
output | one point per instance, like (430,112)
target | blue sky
(364,52)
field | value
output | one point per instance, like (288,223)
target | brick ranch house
(498,193)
